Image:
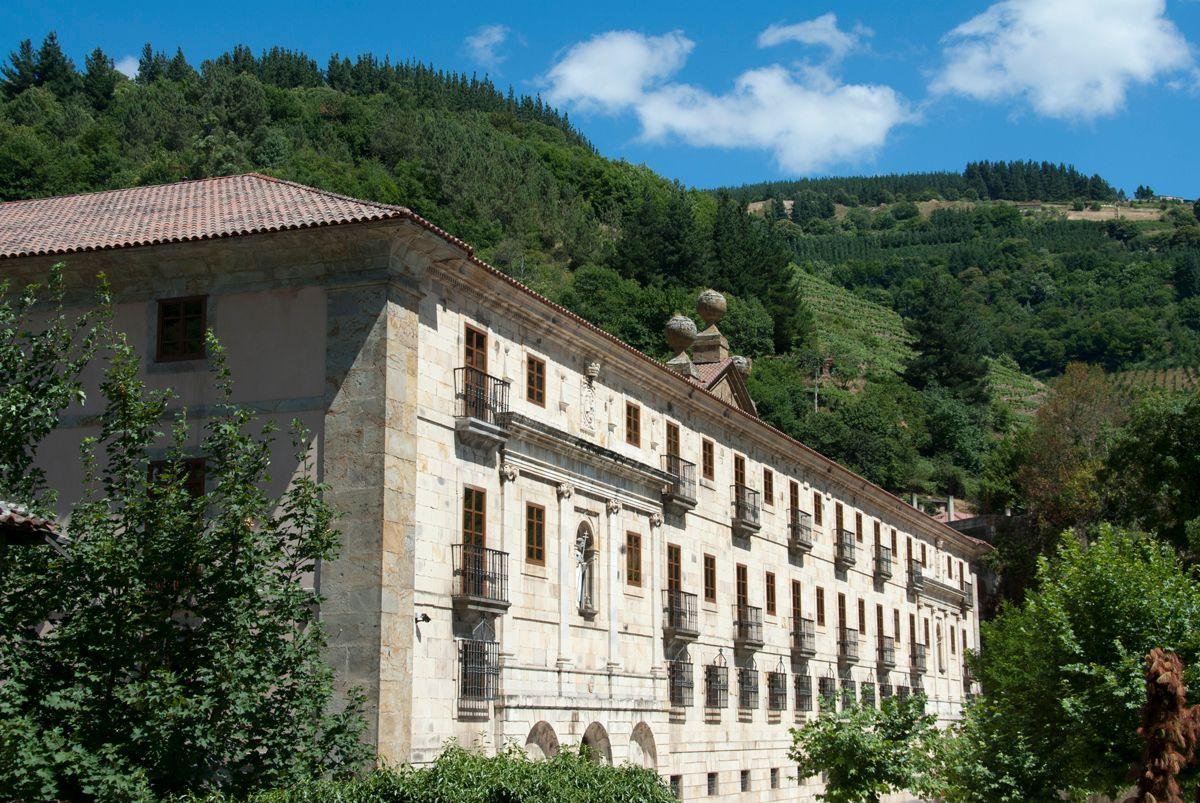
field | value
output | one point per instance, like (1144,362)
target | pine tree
(21,72)
(55,71)
(100,79)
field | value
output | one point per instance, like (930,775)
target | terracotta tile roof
(191,210)
(18,525)
(710,371)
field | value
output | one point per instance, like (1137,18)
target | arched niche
(642,750)
(595,739)
(542,741)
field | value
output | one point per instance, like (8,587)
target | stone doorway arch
(599,748)
(542,741)
(642,750)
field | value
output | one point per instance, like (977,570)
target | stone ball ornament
(681,333)
(711,306)
(742,364)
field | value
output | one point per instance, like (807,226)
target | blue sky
(727,93)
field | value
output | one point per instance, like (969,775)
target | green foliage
(866,752)
(1063,671)
(42,362)
(1153,468)
(465,776)
(184,653)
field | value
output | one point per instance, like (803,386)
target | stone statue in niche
(584,553)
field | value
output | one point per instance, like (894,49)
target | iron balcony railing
(478,669)
(747,687)
(776,691)
(479,395)
(886,651)
(919,660)
(804,693)
(916,575)
(480,575)
(968,590)
(845,548)
(681,617)
(848,640)
(883,561)
(804,636)
(679,678)
(745,505)
(747,625)
(683,486)
(800,529)
(716,686)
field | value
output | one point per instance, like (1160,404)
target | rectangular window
(739,470)
(818,509)
(896,624)
(953,648)
(535,380)
(949,567)
(633,559)
(837,520)
(475,349)
(768,487)
(633,424)
(712,784)
(894,555)
(677,786)
(673,439)
(674,568)
(708,462)
(925,622)
(710,578)
(796,600)
(879,622)
(964,641)
(745,780)
(535,534)
(912,628)
(192,469)
(743,586)
(774,777)
(770,593)
(474,526)
(841,611)
(858,530)
(878,534)
(923,563)
(820,606)
(181,325)
(794,495)
(862,617)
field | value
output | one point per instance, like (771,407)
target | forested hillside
(919,326)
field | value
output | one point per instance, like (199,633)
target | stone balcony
(804,637)
(846,551)
(481,405)
(800,538)
(480,579)
(883,562)
(679,496)
(849,641)
(680,619)
(747,627)
(745,513)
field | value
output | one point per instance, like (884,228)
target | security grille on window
(479,669)
(885,691)
(868,694)
(827,690)
(776,691)
(804,698)
(747,687)
(716,683)
(849,693)
(679,677)
(712,784)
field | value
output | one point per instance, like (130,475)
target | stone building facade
(549,538)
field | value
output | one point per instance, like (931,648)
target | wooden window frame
(771,602)
(818,509)
(532,550)
(708,459)
(741,584)
(469,490)
(768,487)
(862,617)
(633,558)
(633,424)
(896,624)
(739,470)
(535,380)
(674,567)
(482,334)
(858,527)
(674,443)
(180,353)
(797,601)
(820,607)
(710,578)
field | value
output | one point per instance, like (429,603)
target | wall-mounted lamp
(422,618)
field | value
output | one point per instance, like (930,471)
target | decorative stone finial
(711,306)
(742,364)
(681,333)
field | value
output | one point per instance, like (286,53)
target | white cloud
(805,116)
(823,30)
(612,70)
(1072,59)
(484,45)
(128,65)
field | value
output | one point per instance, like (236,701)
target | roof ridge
(127,189)
(289,183)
